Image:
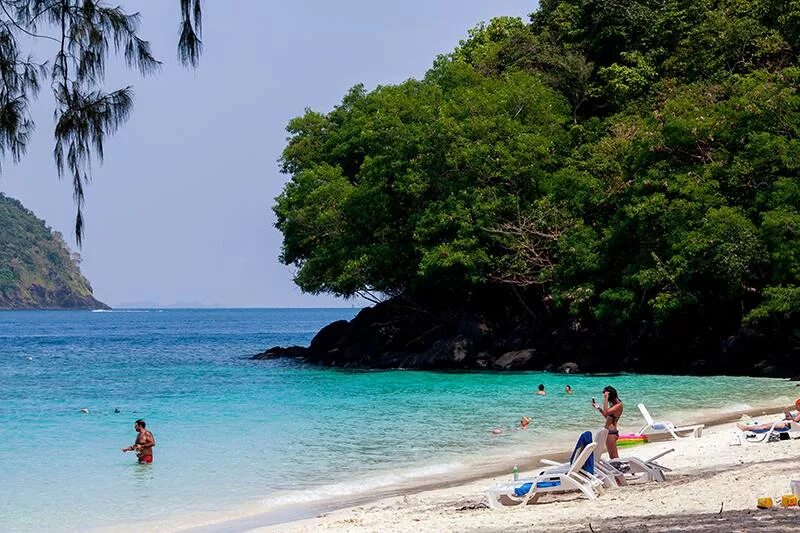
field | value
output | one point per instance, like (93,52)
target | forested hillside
(612,176)
(37,270)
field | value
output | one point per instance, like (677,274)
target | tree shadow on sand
(766,521)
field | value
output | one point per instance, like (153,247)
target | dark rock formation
(569,368)
(491,335)
(515,360)
(277,352)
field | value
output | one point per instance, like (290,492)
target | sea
(242,443)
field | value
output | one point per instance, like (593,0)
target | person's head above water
(524,422)
(568,389)
(541,386)
(613,397)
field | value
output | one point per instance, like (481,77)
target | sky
(180,210)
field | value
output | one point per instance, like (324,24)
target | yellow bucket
(788,500)
(764,503)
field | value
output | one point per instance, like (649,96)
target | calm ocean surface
(250,435)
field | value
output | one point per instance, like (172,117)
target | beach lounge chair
(624,470)
(780,426)
(601,468)
(627,470)
(578,477)
(637,470)
(663,428)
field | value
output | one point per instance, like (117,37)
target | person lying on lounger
(787,416)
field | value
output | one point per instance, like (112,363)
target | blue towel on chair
(584,440)
(526,488)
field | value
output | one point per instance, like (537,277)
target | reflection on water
(143,476)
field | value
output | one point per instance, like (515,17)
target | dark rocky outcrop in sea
(394,334)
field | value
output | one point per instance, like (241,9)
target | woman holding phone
(611,411)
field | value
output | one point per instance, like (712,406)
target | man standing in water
(144,443)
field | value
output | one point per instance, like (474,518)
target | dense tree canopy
(83,34)
(630,162)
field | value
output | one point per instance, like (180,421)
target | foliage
(85,33)
(36,267)
(628,163)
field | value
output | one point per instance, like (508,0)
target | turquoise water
(252,435)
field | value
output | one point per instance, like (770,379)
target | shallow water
(234,433)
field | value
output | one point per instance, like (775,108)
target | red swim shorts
(145,459)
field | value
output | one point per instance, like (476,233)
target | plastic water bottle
(516,473)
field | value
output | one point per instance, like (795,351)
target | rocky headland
(395,334)
(37,269)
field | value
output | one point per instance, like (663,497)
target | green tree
(631,166)
(420,174)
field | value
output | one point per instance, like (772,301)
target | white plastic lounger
(624,470)
(781,426)
(602,470)
(663,428)
(636,470)
(520,493)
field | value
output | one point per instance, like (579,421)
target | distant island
(611,186)
(37,269)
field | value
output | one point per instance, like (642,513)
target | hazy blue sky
(181,209)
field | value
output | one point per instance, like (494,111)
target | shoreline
(713,486)
(302,514)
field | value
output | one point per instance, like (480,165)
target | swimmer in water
(524,422)
(568,389)
(541,392)
(85,410)
(143,446)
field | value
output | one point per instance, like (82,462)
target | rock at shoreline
(518,360)
(329,336)
(277,352)
(490,335)
(568,368)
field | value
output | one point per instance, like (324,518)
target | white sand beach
(714,486)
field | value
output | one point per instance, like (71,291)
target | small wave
(361,486)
